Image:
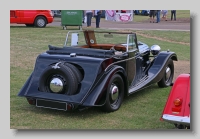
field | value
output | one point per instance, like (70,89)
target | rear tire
(115,94)
(168,75)
(77,73)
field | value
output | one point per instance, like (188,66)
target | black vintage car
(96,68)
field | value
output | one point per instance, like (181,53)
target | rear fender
(97,96)
(180,90)
(26,85)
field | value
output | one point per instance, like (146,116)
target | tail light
(177,106)
(178,102)
(31,101)
(70,106)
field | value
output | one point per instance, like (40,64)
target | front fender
(158,67)
(156,71)
(97,96)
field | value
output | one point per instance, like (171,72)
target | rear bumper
(176,119)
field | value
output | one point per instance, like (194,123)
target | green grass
(141,110)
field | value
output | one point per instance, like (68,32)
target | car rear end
(177,107)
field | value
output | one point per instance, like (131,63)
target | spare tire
(77,73)
(58,78)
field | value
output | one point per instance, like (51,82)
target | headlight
(155,49)
(51,13)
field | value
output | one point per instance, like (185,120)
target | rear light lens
(70,106)
(177,106)
(178,102)
(31,101)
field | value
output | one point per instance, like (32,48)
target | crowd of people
(157,13)
(154,14)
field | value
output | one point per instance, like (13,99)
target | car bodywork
(85,72)
(142,12)
(38,18)
(177,107)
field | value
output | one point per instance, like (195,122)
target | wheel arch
(97,95)
(41,16)
(157,68)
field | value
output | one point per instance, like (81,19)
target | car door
(28,16)
(131,61)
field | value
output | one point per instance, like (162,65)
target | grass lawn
(141,110)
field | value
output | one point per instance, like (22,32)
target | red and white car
(177,107)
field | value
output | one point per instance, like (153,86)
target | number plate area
(51,104)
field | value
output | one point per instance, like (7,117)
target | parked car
(38,18)
(56,13)
(96,68)
(177,107)
(142,12)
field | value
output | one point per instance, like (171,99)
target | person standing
(152,15)
(173,13)
(98,17)
(89,17)
(164,12)
(158,16)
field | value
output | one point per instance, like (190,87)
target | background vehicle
(56,13)
(177,107)
(90,71)
(38,18)
(142,12)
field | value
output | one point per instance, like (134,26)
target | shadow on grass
(91,111)
(47,27)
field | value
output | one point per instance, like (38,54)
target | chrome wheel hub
(56,85)
(168,74)
(114,92)
(41,22)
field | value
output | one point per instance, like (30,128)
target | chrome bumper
(176,119)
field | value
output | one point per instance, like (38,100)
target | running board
(142,80)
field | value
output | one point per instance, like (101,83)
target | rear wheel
(168,75)
(40,22)
(59,79)
(115,94)
(180,126)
